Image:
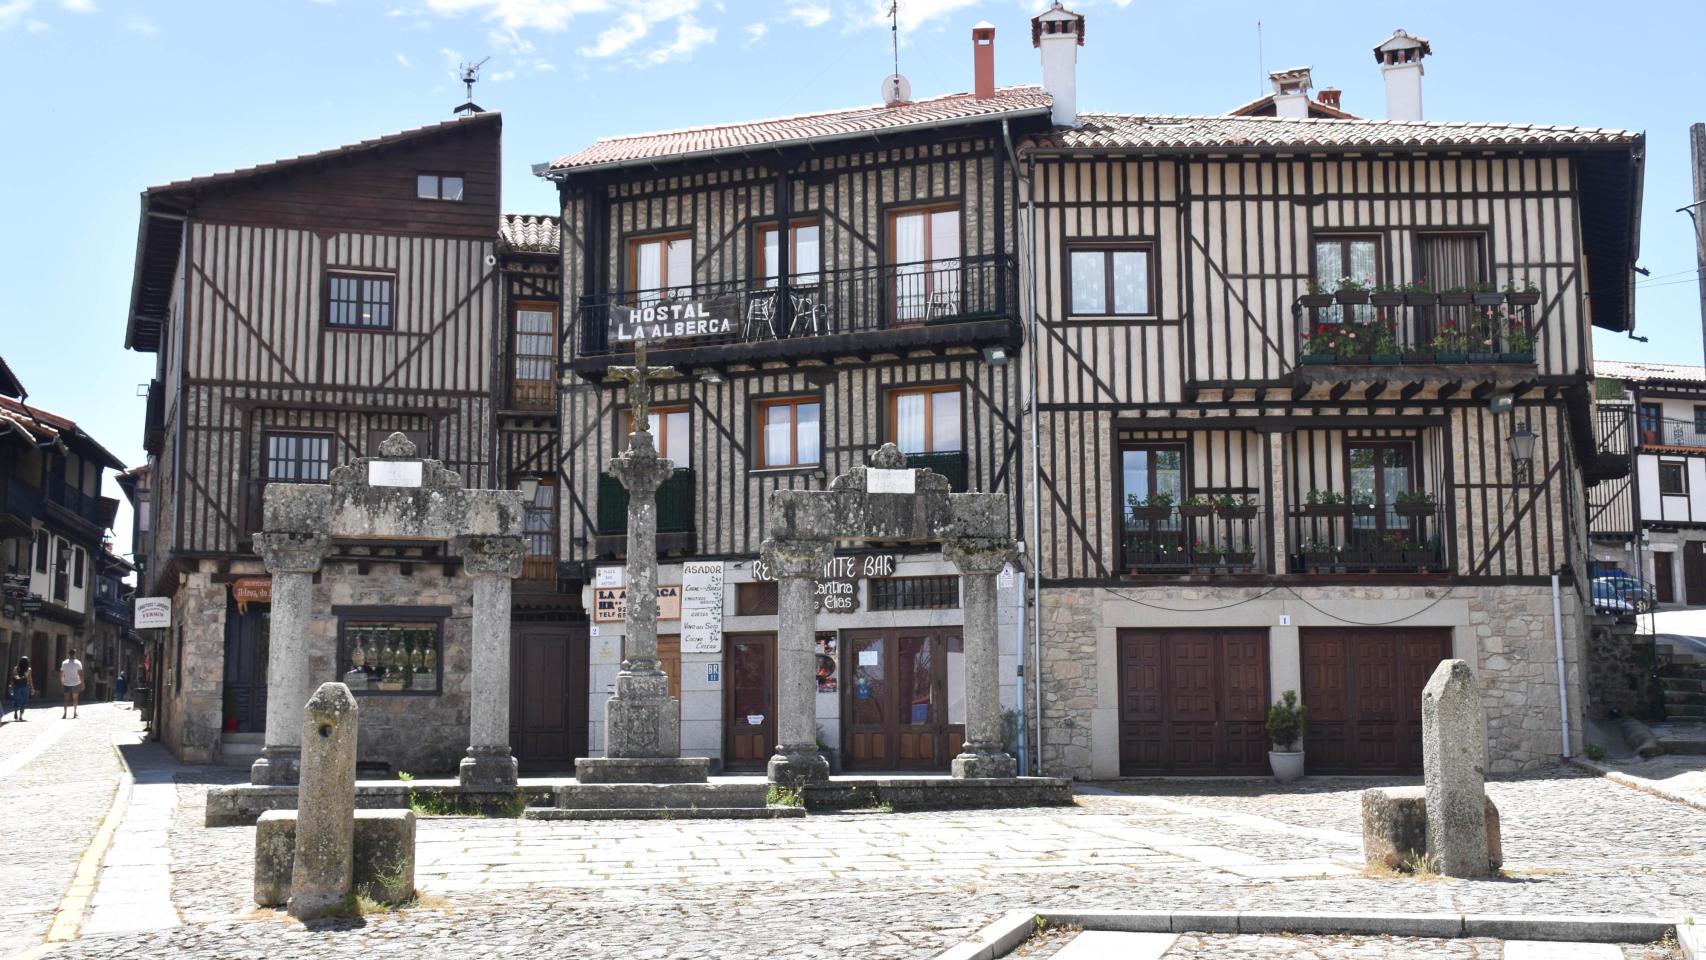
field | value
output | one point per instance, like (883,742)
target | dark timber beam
(1483,391)
(1338,392)
(1411,389)
(1449,390)
(1374,389)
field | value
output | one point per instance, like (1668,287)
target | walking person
(71,678)
(22,679)
(119,685)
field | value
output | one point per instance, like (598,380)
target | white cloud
(810,14)
(12,12)
(635,23)
(36,26)
(404,60)
(915,13)
(689,36)
(523,14)
(755,32)
(78,6)
(140,24)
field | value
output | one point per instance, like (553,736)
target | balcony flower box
(1359,359)
(1522,298)
(1240,559)
(1450,356)
(1456,298)
(1488,298)
(1310,359)
(1195,509)
(1316,300)
(1388,298)
(1322,561)
(1421,298)
(1483,358)
(1517,356)
(1351,296)
(1323,509)
(1237,513)
(1364,509)
(1152,514)
(1385,359)
(1415,508)
(1417,356)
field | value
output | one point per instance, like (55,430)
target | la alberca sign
(675,320)
(837,586)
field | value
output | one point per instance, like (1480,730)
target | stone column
(324,863)
(493,562)
(796,564)
(1454,763)
(979,562)
(292,559)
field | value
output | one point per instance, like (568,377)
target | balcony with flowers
(1432,334)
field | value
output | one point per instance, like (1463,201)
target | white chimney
(1058,33)
(1291,92)
(1400,59)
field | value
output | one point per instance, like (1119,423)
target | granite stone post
(1454,764)
(493,562)
(292,559)
(324,867)
(796,564)
(979,561)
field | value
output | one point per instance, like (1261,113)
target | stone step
(1687,684)
(667,813)
(239,754)
(1679,697)
(1683,672)
(1685,710)
(1684,748)
(661,796)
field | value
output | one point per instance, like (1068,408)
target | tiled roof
(780,131)
(1264,106)
(527,233)
(1131,131)
(47,426)
(374,143)
(1642,370)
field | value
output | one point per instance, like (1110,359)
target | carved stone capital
(291,552)
(641,471)
(978,556)
(796,558)
(483,556)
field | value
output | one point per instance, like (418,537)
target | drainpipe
(1024,720)
(1035,558)
(182,325)
(1558,638)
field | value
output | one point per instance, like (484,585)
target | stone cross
(1454,763)
(324,868)
(639,378)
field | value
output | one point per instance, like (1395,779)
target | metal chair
(943,303)
(760,315)
(809,314)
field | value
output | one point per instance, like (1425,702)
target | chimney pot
(1058,33)
(1400,58)
(1291,92)
(983,60)
(1330,97)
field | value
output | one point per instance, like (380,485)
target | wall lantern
(529,487)
(1522,450)
(995,356)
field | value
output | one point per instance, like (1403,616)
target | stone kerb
(1454,765)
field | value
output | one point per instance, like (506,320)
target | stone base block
(276,766)
(642,727)
(658,796)
(796,770)
(984,766)
(642,769)
(1395,828)
(384,867)
(488,770)
(937,793)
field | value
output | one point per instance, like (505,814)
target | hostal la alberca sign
(679,319)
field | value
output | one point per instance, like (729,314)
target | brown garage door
(1363,690)
(1193,701)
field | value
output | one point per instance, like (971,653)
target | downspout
(183,375)
(1035,538)
(1024,722)
(1558,639)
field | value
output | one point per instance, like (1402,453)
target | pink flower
(1332,344)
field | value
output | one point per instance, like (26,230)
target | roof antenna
(470,75)
(1261,62)
(896,90)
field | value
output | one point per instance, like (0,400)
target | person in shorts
(21,680)
(71,677)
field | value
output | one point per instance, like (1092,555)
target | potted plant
(1484,337)
(1386,295)
(1318,296)
(1417,293)
(1354,343)
(1285,732)
(1323,503)
(1459,296)
(1415,503)
(1388,550)
(1321,557)
(1156,506)
(1519,343)
(1448,344)
(1207,556)
(1235,508)
(1240,559)
(1322,346)
(1362,503)
(1527,296)
(1351,291)
(1385,347)
(1195,505)
(1484,295)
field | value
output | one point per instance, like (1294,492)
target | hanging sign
(702,607)
(610,604)
(152,613)
(692,318)
(251,590)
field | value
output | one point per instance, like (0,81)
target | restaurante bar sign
(680,319)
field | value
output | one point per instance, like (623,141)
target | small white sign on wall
(890,481)
(153,613)
(393,473)
(1004,579)
(702,607)
(608,577)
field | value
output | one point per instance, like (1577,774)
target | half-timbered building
(825,283)
(1315,413)
(302,311)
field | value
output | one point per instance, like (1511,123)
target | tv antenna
(470,74)
(895,88)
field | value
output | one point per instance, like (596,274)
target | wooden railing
(1397,538)
(1390,328)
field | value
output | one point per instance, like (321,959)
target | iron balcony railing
(674,497)
(1672,433)
(1189,538)
(823,304)
(1388,328)
(20,501)
(97,510)
(950,464)
(1394,538)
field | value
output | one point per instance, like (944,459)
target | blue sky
(107,97)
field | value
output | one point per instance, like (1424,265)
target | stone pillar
(796,564)
(292,559)
(1454,763)
(979,562)
(493,562)
(324,866)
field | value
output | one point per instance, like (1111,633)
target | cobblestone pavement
(874,885)
(1680,776)
(1298,947)
(57,780)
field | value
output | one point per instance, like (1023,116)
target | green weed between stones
(780,796)
(1596,752)
(431,803)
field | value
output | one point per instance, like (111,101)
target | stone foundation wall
(194,695)
(1505,632)
(1620,672)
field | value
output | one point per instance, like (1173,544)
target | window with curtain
(1109,282)
(789,432)
(535,340)
(1378,474)
(538,529)
(925,421)
(926,255)
(1356,258)
(669,428)
(661,266)
(804,252)
(1447,260)
(1145,471)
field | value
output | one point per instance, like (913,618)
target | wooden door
(1363,690)
(548,695)
(1694,573)
(749,695)
(1664,577)
(246,637)
(1193,701)
(903,700)
(669,660)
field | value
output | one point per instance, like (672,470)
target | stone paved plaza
(868,884)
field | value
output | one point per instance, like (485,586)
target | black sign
(15,584)
(698,318)
(32,604)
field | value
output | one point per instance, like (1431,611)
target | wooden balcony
(675,504)
(20,505)
(1340,539)
(1672,434)
(1192,540)
(933,305)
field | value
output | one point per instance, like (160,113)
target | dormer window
(438,186)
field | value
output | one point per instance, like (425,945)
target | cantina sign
(679,319)
(837,587)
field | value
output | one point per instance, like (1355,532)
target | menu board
(702,607)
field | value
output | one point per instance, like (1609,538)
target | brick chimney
(983,60)
(1329,97)
(1058,33)
(1400,58)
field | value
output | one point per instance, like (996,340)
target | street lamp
(529,487)
(1522,450)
